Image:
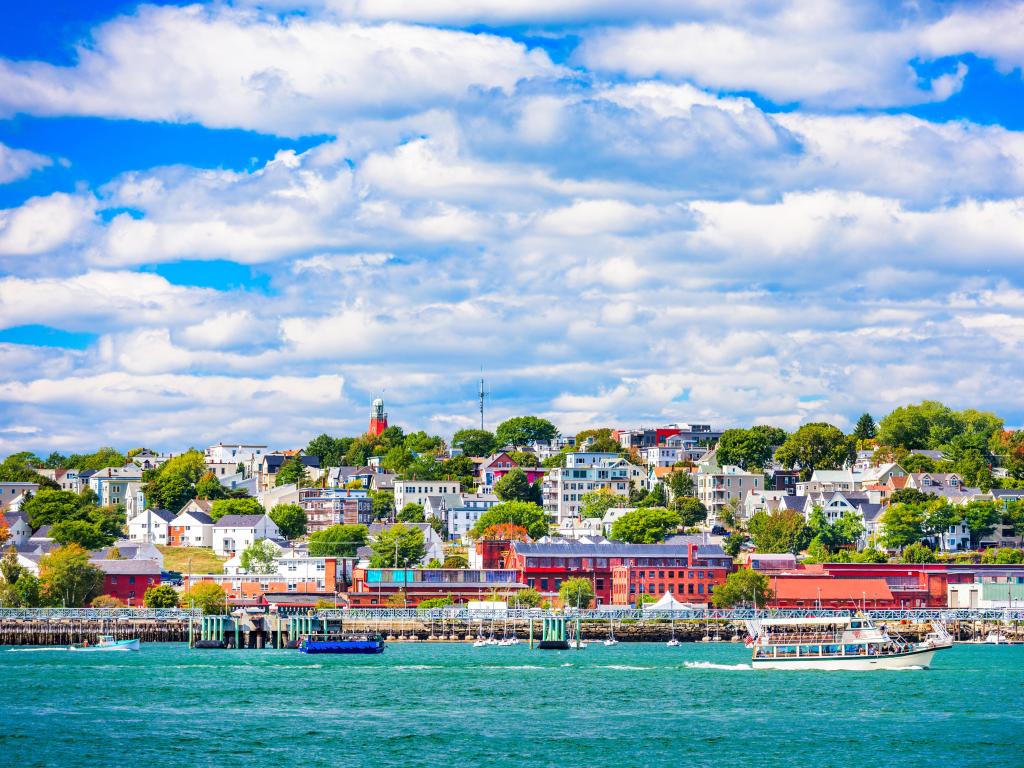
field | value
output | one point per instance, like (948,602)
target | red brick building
(544,566)
(694,583)
(128,580)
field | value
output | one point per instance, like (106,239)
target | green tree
(866,428)
(330,450)
(910,496)
(459,468)
(421,442)
(524,514)
(48,506)
(816,446)
(902,525)
(918,553)
(290,520)
(455,560)
(869,555)
(292,471)
(521,430)
(259,556)
(161,596)
(515,486)
(982,517)
(596,503)
(940,517)
(781,531)
(209,487)
(207,596)
(744,587)
(691,510)
(749,449)
(525,459)
(246,506)
(818,551)
(338,541)
(436,602)
(474,442)
(655,497)
(647,525)
(383,504)
(680,483)
(100,459)
(86,534)
(20,468)
(525,598)
(68,578)
(173,483)
(576,593)
(410,513)
(437,524)
(398,546)
(19,588)
(1003,556)
(733,544)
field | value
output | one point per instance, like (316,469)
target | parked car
(171,577)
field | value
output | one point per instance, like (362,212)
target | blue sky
(240,221)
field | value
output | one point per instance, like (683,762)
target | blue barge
(342,645)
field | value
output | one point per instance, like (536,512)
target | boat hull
(917,658)
(342,646)
(119,645)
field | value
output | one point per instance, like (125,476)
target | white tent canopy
(667,603)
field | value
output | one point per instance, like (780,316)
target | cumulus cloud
(830,54)
(44,223)
(231,68)
(18,163)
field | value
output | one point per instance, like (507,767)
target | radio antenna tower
(483,393)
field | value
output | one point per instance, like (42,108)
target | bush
(107,601)
(162,596)
(436,602)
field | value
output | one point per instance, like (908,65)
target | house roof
(42,533)
(869,511)
(199,517)
(604,549)
(13,517)
(239,521)
(793,502)
(164,514)
(273,461)
(203,504)
(826,588)
(128,567)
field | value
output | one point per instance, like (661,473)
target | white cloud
(44,224)
(230,68)
(832,54)
(18,163)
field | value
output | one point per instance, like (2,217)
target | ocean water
(453,705)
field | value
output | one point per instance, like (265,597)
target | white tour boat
(837,642)
(108,643)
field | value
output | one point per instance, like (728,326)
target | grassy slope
(203,560)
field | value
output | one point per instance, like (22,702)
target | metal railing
(463,613)
(688,614)
(109,614)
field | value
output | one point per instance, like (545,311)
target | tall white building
(718,485)
(563,487)
(418,491)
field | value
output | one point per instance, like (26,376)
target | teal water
(453,705)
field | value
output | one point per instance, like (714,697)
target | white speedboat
(837,642)
(108,643)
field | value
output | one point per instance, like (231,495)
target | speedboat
(107,643)
(836,642)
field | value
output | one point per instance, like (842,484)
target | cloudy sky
(240,221)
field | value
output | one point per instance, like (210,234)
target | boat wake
(625,667)
(36,650)
(710,665)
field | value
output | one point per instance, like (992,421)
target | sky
(241,221)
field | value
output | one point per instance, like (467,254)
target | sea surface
(457,706)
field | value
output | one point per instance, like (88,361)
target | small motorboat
(107,643)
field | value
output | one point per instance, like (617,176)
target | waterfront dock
(246,630)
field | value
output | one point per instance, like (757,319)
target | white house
(17,525)
(418,491)
(234,453)
(564,487)
(111,483)
(233,533)
(150,525)
(193,527)
(460,513)
(717,486)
